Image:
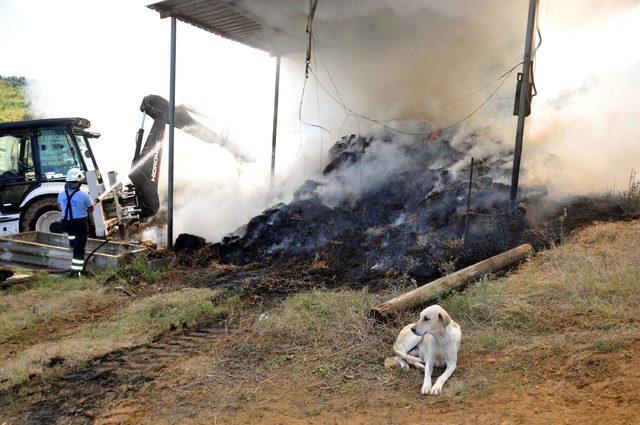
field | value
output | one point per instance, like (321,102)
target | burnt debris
(394,203)
(188,243)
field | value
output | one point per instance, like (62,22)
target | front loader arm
(146,160)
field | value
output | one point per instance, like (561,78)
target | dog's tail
(414,361)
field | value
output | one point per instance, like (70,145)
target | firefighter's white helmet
(75,175)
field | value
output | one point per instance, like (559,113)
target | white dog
(406,348)
(433,340)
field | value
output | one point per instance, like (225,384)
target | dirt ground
(152,384)
(285,399)
(554,342)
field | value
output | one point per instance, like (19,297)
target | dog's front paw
(425,389)
(436,389)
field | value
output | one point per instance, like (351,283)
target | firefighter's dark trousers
(78,231)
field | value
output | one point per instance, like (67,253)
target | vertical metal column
(524,90)
(172,109)
(275,124)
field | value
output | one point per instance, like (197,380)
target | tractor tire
(45,208)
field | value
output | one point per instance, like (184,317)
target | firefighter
(76,206)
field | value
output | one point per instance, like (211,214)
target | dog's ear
(444,317)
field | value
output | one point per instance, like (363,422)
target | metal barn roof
(270,25)
(279,26)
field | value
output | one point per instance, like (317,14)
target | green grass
(608,345)
(47,284)
(14,105)
(135,269)
(153,315)
(333,324)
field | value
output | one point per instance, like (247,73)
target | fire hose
(93,252)
(84,268)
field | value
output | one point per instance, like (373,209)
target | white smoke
(583,135)
(387,58)
(99,59)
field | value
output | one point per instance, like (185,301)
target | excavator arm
(145,170)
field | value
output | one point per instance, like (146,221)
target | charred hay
(387,204)
(395,206)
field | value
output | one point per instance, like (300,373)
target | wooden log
(428,292)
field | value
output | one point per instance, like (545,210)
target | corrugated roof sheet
(269,25)
(279,26)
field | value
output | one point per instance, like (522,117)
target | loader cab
(17,170)
(34,159)
(38,152)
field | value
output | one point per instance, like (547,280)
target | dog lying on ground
(433,340)
(406,348)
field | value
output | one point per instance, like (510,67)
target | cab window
(58,153)
(16,160)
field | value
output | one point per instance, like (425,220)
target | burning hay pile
(388,205)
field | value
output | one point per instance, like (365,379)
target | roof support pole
(172,110)
(275,124)
(522,108)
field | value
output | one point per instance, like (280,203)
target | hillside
(14,105)
(554,341)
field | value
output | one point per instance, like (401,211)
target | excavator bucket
(145,171)
(145,168)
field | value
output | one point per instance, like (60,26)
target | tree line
(14,102)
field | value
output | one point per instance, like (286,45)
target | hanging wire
(347,114)
(503,77)
(400,118)
(534,62)
(538,30)
(304,86)
(315,63)
(326,68)
(303,122)
(312,10)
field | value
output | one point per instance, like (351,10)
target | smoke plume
(402,62)
(392,60)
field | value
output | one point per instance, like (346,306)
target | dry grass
(327,328)
(48,302)
(150,316)
(588,284)
(578,298)
(77,319)
(629,198)
(562,313)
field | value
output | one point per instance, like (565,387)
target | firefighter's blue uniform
(75,206)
